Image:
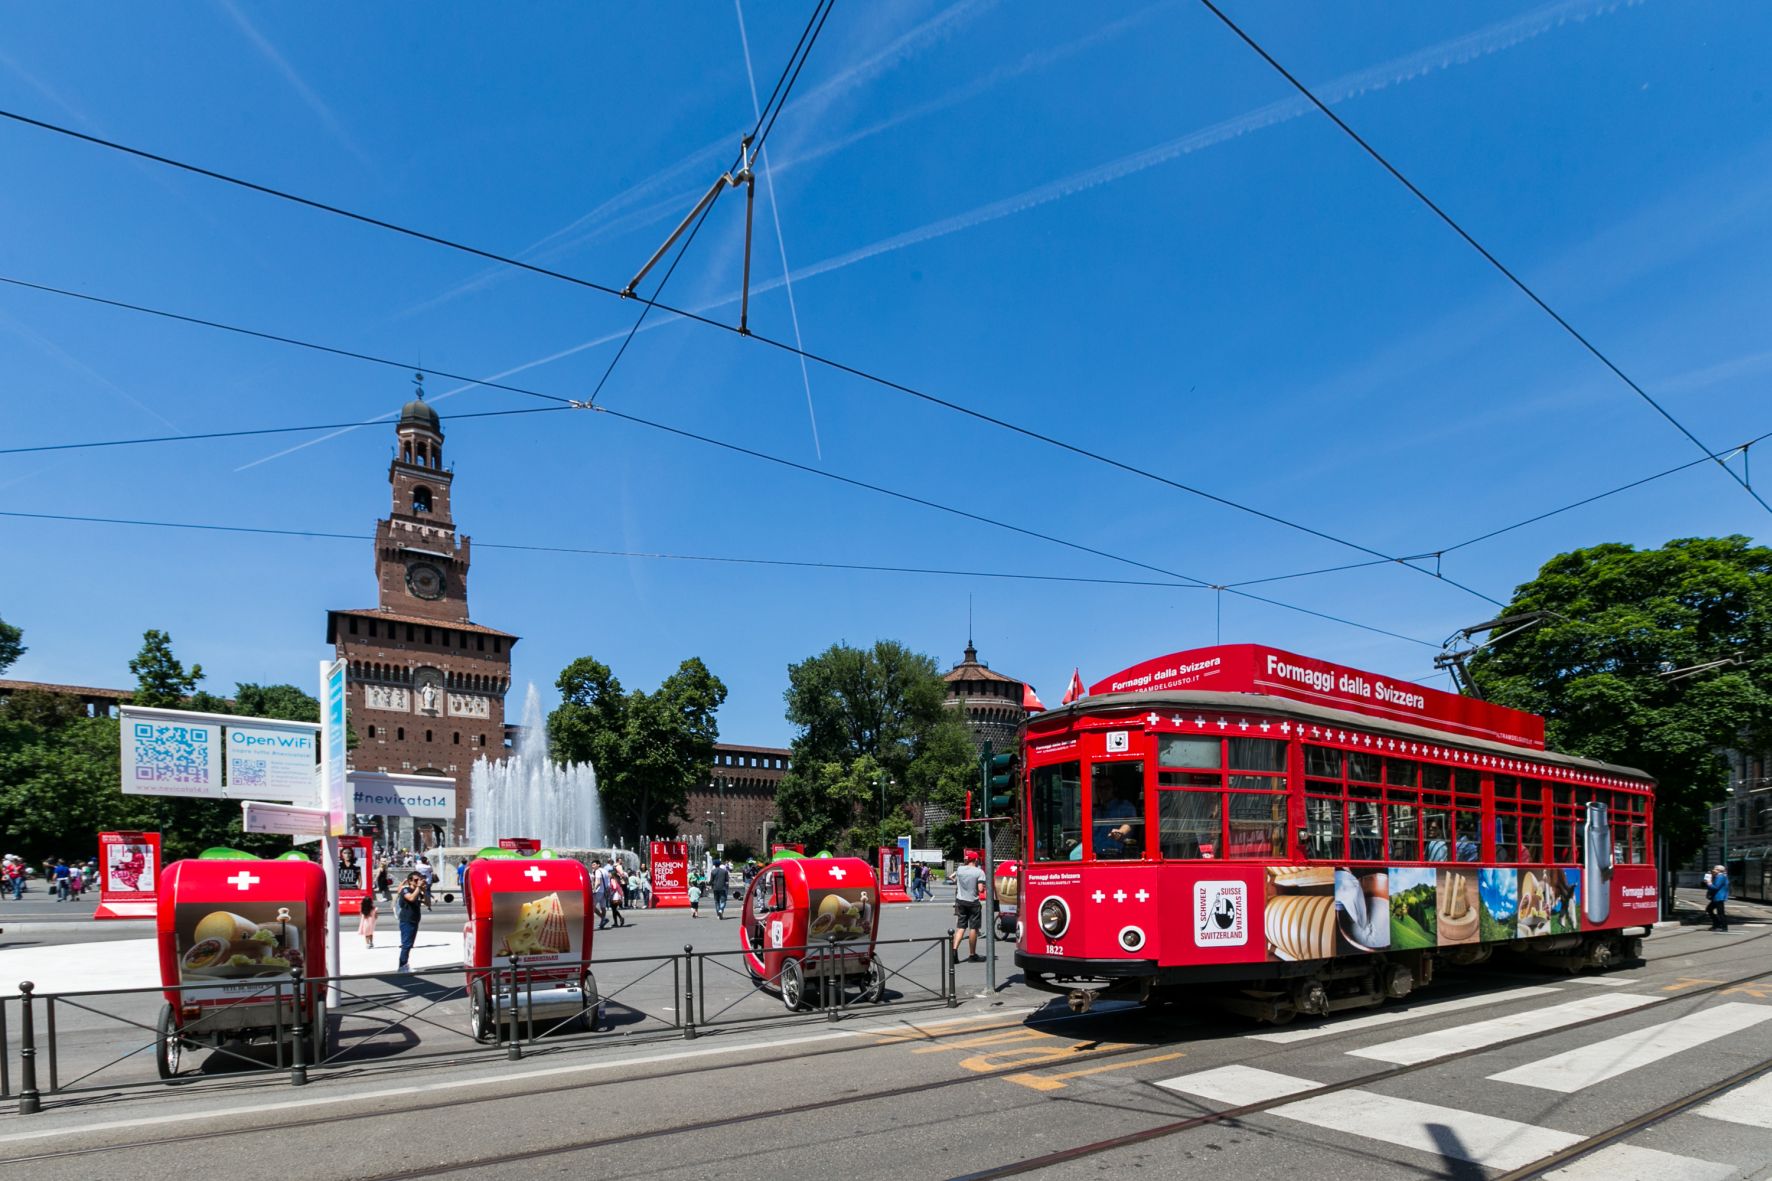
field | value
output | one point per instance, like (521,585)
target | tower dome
(418,413)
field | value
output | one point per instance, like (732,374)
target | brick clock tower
(427,685)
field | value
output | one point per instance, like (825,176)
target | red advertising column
(670,873)
(528,846)
(776,850)
(892,887)
(128,875)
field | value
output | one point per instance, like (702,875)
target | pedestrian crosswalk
(1595,1063)
(1463,1134)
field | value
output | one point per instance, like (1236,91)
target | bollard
(29,1101)
(298,1070)
(947,959)
(833,994)
(688,991)
(514,1046)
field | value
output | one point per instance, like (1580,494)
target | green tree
(649,749)
(11,644)
(1622,618)
(161,681)
(875,736)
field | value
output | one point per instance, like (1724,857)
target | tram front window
(1058,812)
(1117,820)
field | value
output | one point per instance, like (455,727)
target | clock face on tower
(425,580)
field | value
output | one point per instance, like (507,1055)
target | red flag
(1030,700)
(1075,690)
(969,805)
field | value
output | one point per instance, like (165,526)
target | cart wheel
(873,986)
(168,1046)
(479,1013)
(793,984)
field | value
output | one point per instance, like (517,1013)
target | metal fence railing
(66,1044)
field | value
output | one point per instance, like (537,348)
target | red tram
(1305,837)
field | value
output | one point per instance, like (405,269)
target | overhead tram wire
(268,430)
(778,97)
(866,568)
(698,318)
(1488,257)
(1436,555)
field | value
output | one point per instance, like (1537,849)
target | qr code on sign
(171,754)
(246,772)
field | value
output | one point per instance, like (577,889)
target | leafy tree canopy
(649,749)
(11,644)
(1623,617)
(161,681)
(875,738)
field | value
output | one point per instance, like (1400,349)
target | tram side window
(1405,830)
(1257,823)
(1322,827)
(1188,823)
(1365,839)
(1531,820)
(1117,807)
(1467,797)
(1058,812)
(1436,835)
(1563,822)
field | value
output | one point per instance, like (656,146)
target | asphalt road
(1487,1072)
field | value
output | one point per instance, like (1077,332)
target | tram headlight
(1055,917)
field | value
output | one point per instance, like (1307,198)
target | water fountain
(526,794)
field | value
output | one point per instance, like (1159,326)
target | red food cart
(813,918)
(527,945)
(230,934)
(1008,890)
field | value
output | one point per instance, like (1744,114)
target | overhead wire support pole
(706,200)
(749,180)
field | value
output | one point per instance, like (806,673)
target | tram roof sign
(1252,668)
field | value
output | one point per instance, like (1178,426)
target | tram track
(1208,1119)
(863,1040)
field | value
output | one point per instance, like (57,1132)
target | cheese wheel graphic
(1301,926)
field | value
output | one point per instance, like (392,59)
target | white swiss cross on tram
(535,873)
(1099,896)
(243,879)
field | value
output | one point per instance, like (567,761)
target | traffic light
(999,779)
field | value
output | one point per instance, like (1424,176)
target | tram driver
(1114,835)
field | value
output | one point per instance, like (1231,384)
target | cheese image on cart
(540,929)
(812,919)
(527,946)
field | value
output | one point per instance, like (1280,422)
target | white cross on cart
(838,872)
(535,873)
(243,879)
(1143,895)
(1119,895)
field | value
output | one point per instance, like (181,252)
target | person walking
(413,896)
(618,892)
(1717,890)
(62,879)
(384,881)
(720,882)
(645,890)
(969,886)
(695,881)
(600,892)
(366,919)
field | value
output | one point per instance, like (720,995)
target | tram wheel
(793,984)
(168,1046)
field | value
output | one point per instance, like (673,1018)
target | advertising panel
(892,883)
(374,793)
(335,794)
(537,927)
(520,844)
(841,915)
(356,869)
(1251,668)
(164,755)
(670,873)
(274,763)
(233,945)
(128,874)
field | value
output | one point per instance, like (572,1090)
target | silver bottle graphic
(1596,865)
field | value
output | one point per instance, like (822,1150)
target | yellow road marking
(988,1039)
(1055,1082)
(1688,982)
(1754,990)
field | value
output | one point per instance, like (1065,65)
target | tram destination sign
(1252,668)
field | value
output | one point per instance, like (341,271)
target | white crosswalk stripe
(1603,981)
(1587,1065)
(1392,1016)
(1627,1162)
(1477,1035)
(1446,1132)
(1750,1104)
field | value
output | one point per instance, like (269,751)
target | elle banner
(1251,668)
(670,873)
(128,874)
(356,872)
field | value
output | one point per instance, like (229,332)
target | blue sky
(1112,225)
